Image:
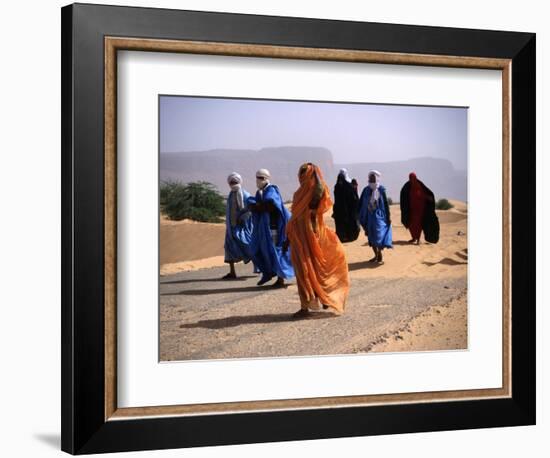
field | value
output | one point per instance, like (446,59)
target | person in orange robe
(317,255)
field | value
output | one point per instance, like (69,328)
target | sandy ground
(179,250)
(205,318)
(421,304)
(178,243)
(439,327)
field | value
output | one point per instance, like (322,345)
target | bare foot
(229,276)
(373,259)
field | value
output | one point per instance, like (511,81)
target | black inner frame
(84,429)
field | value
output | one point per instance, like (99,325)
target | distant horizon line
(319,147)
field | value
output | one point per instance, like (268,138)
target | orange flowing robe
(317,255)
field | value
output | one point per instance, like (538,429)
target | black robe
(346,211)
(430,222)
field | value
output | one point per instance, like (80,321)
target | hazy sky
(353,132)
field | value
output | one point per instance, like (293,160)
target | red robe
(417,202)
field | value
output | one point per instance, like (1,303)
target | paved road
(203,317)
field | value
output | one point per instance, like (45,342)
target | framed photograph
(284,228)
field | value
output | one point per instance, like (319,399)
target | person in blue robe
(269,218)
(374,216)
(238,226)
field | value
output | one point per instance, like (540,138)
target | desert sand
(180,251)
(439,327)
(192,253)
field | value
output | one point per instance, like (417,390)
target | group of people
(371,211)
(283,244)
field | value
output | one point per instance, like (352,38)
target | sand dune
(449,257)
(459,206)
(187,245)
(450,216)
(187,240)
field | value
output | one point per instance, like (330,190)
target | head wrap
(261,184)
(305,172)
(263,173)
(375,194)
(344,174)
(376,173)
(416,192)
(234,176)
(237,189)
(312,189)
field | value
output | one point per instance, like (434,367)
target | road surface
(204,317)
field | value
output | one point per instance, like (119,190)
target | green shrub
(166,189)
(390,201)
(443,204)
(199,201)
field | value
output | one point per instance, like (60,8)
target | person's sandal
(229,276)
(264,279)
(302,313)
(280,283)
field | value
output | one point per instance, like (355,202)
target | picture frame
(91,37)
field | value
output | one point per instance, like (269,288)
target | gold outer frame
(114,44)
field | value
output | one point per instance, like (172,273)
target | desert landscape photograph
(300,228)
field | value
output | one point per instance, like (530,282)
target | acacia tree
(199,201)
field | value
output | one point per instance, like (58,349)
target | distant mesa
(438,174)
(283,163)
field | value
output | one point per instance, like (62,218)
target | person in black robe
(417,204)
(346,208)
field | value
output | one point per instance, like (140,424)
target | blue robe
(237,238)
(375,221)
(267,256)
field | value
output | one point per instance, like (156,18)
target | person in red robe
(417,204)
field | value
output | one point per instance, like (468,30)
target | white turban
(375,194)
(237,189)
(234,176)
(262,173)
(345,174)
(376,173)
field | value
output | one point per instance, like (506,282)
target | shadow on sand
(446,262)
(197,280)
(242,289)
(462,255)
(239,320)
(404,243)
(363,265)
